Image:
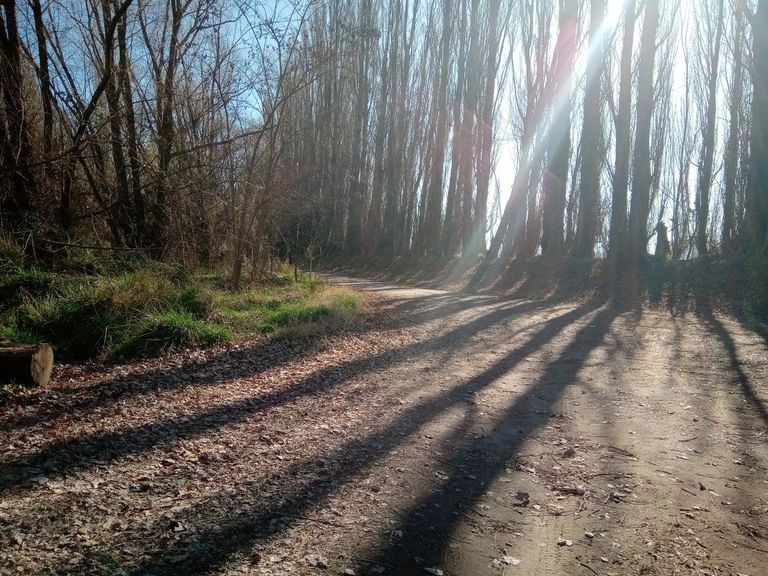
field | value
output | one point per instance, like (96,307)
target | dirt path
(462,435)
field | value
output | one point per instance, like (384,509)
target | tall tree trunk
(734,129)
(618,232)
(559,136)
(708,144)
(165,87)
(392,172)
(756,212)
(360,132)
(486,125)
(44,76)
(450,237)
(592,134)
(641,182)
(680,209)
(434,204)
(466,170)
(137,193)
(374,221)
(17,152)
(123,209)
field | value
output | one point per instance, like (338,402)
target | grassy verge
(132,309)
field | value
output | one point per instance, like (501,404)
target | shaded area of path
(470,434)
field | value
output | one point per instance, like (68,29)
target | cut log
(26,364)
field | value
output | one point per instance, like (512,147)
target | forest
(203,132)
(407,287)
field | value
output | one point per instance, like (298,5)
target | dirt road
(450,434)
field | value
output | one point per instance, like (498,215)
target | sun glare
(507,165)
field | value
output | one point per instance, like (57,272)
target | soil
(447,434)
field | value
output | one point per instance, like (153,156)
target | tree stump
(26,364)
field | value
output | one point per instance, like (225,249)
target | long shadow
(742,379)
(430,523)
(759,329)
(235,364)
(79,453)
(202,555)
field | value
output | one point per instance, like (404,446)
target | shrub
(279,314)
(143,308)
(194,299)
(348,302)
(24,282)
(159,332)
(11,256)
(80,322)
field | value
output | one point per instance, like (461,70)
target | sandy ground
(451,434)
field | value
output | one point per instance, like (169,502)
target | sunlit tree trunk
(734,128)
(618,232)
(357,194)
(466,168)
(374,221)
(123,209)
(559,137)
(487,124)
(450,234)
(641,183)
(592,133)
(434,203)
(756,214)
(712,60)
(137,193)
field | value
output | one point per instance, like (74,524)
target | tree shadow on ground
(241,362)
(259,522)
(229,364)
(429,525)
(717,328)
(79,453)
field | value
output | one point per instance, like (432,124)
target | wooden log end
(26,364)
(42,365)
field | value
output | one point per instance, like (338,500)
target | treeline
(201,130)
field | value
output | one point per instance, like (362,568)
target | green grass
(133,310)
(166,330)
(296,306)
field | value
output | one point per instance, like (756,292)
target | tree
(19,185)
(757,192)
(592,130)
(641,184)
(618,228)
(710,56)
(558,140)
(732,155)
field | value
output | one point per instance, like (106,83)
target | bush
(80,322)
(193,299)
(20,283)
(348,302)
(11,256)
(280,314)
(131,307)
(159,332)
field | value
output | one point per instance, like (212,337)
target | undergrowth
(95,307)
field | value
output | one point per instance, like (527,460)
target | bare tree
(641,185)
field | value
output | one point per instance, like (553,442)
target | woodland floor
(454,434)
